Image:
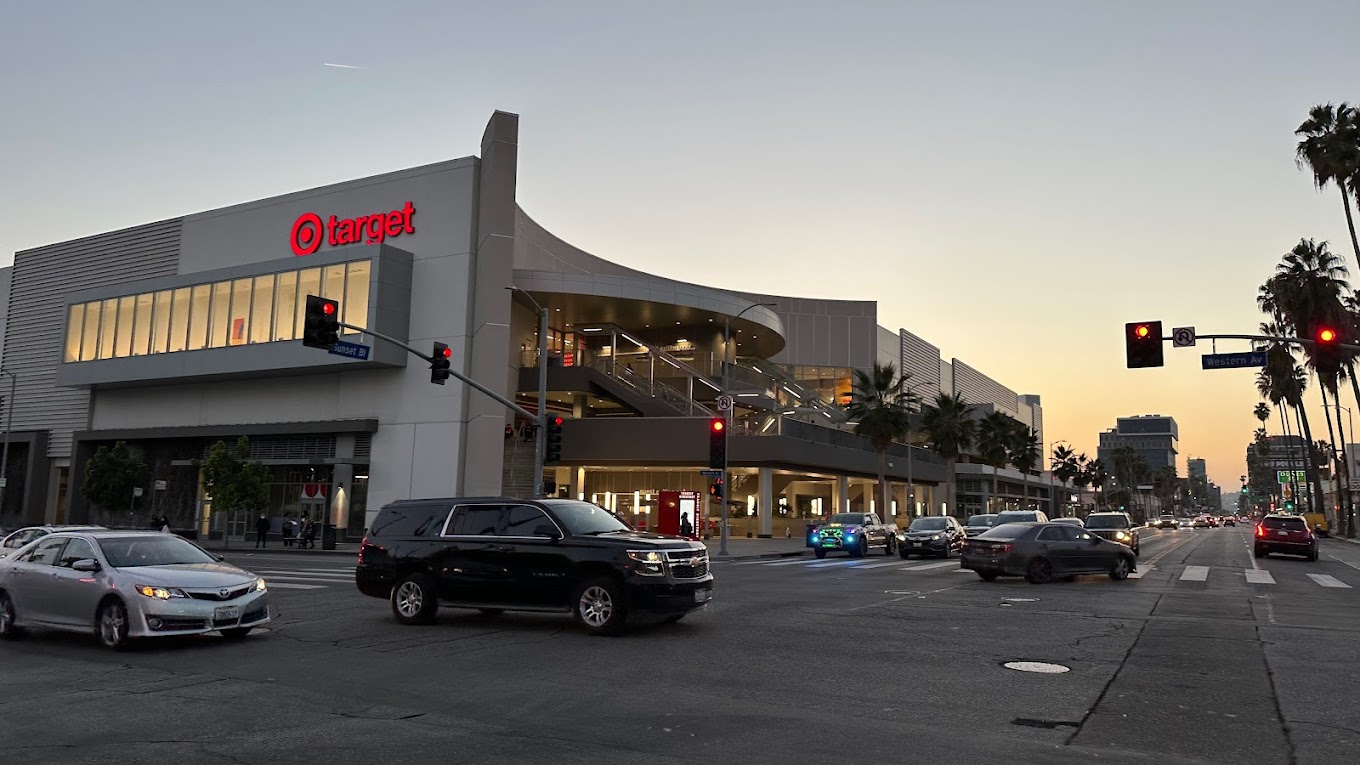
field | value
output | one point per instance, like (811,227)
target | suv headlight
(1121,535)
(160,593)
(648,562)
(938,537)
(259,585)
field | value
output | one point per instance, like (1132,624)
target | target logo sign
(309,230)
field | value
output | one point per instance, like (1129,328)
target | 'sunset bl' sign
(309,230)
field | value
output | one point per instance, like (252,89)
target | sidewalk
(737,548)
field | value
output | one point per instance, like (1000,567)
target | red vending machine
(668,513)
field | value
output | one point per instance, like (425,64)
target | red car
(1287,534)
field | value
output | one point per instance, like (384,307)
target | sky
(1010,180)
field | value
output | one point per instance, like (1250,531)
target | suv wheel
(1258,552)
(820,552)
(8,618)
(414,600)
(891,546)
(600,607)
(1120,570)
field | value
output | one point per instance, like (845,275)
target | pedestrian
(288,531)
(309,534)
(686,528)
(165,524)
(261,531)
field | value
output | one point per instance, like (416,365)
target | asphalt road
(1209,656)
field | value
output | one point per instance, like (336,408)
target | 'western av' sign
(1234,360)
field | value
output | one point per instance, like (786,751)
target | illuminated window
(179,320)
(75,323)
(354,306)
(240,312)
(262,309)
(200,308)
(219,324)
(141,324)
(160,323)
(122,343)
(107,325)
(285,306)
(309,283)
(333,283)
(89,342)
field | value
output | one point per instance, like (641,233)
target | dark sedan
(938,535)
(1041,551)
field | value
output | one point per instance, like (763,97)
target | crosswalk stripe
(1259,576)
(311,578)
(1195,574)
(877,565)
(336,575)
(825,563)
(798,562)
(1142,572)
(928,566)
(289,586)
(1328,581)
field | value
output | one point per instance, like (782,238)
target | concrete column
(841,495)
(765,503)
(337,516)
(578,405)
(578,483)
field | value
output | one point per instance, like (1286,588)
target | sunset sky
(1011,181)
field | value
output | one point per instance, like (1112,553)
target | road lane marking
(1338,560)
(877,565)
(929,566)
(1259,576)
(1139,574)
(270,580)
(1328,581)
(1195,574)
(825,563)
(282,572)
(287,586)
(798,562)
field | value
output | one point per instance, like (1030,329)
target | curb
(758,556)
(284,550)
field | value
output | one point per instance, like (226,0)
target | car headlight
(259,585)
(160,593)
(938,537)
(1120,535)
(648,562)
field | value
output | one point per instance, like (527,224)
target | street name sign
(1234,360)
(714,473)
(350,350)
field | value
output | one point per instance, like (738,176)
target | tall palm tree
(1026,451)
(879,406)
(994,435)
(1331,151)
(1096,476)
(1262,411)
(1285,381)
(949,430)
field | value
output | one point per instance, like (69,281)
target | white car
(125,585)
(20,537)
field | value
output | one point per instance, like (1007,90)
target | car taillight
(1005,548)
(365,546)
(1260,529)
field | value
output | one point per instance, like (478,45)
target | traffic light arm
(502,400)
(1273,339)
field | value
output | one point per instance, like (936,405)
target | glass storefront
(258,309)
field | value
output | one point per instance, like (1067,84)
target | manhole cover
(1022,600)
(1036,666)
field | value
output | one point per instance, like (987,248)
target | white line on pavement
(877,565)
(1195,574)
(1139,574)
(824,563)
(1259,576)
(287,586)
(270,579)
(928,566)
(327,575)
(1328,581)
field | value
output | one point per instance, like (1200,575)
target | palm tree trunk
(953,487)
(1314,496)
(992,499)
(1025,475)
(1331,439)
(1350,223)
(884,506)
(1305,456)
(1343,466)
(1289,453)
(1350,514)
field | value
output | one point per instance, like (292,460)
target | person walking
(289,531)
(261,531)
(309,534)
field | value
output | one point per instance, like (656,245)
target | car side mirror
(547,530)
(218,558)
(85,564)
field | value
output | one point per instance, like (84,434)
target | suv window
(45,552)
(476,520)
(18,539)
(1016,517)
(409,520)
(1285,523)
(76,549)
(525,521)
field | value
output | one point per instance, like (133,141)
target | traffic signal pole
(502,400)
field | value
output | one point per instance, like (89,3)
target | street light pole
(1346,465)
(541,421)
(911,484)
(9,423)
(727,417)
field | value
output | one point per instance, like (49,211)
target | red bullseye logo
(307,234)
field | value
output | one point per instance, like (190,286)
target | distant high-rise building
(1196,468)
(1154,437)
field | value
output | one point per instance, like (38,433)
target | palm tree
(1262,411)
(1284,381)
(1096,476)
(880,407)
(1025,453)
(1330,149)
(949,430)
(994,434)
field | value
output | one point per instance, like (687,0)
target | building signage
(1282,476)
(350,350)
(309,230)
(1234,360)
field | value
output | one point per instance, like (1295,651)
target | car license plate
(1283,533)
(702,596)
(829,543)
(227,612)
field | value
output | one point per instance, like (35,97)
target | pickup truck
(855,533)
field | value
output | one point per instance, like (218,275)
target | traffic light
(552,446)
(439,364)
(321,323)
(1326,345)
(715,489)
(1143,344)
(717,443)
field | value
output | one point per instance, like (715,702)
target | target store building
(173,335)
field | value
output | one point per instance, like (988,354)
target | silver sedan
(124,585)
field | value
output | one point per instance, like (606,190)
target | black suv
(499,554)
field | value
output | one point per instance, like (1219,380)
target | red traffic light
(1326,335)
(717,425)
(557,420)
(1143,331)
(328,308)
(447,352)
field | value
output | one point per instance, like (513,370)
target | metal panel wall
(42,279)
(978,388)
(922,361)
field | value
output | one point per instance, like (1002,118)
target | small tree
(110,477)
(233,480)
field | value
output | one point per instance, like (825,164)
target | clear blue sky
(1011,180)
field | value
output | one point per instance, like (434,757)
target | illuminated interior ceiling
(649,319)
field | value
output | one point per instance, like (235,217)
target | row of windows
(258,309)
